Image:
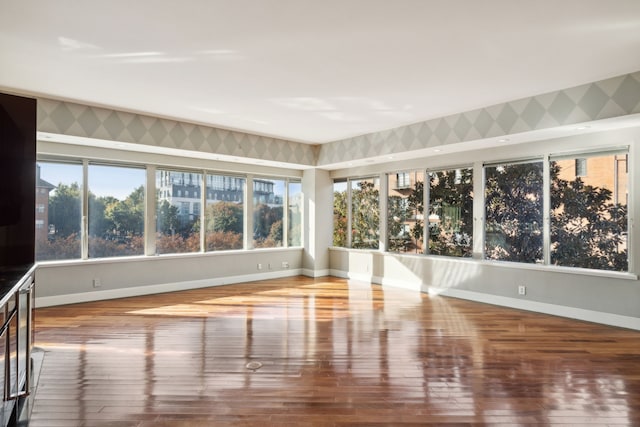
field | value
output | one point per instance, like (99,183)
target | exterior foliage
(451,203)
(588,230)
(340,211)
(365,216)
(513,204)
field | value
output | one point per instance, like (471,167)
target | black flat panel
(17,179)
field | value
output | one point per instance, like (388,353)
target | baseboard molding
(521,304)
(541,307)
(161,288)
(316,273)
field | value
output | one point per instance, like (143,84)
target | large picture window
(589,211)
(294,213)
(340,214)
(116,211)
(224,213)
(405,212)
(268,205)
(513,205)
(177,211)
(450,219)
(58,222)
(365,213)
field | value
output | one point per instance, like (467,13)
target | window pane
(589,212)
(295,214)
(340,214)
(405,216)
(365,213)
(513,203)
(177,216)
(451,212)
(268,205)
(224,213)
(116,211)
(58,211)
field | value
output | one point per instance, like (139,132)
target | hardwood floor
(329,352)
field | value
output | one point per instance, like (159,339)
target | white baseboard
(161,288)
(538,307)
(541,307)
(316,273)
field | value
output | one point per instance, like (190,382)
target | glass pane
(589,212)
(365,213)
(116,211)
(405,216)
(224,213)
(268,205)
(513,204)
(451,212)
(340,214)
(295,214)
(177,217)
(58,211)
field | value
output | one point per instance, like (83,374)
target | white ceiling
(311,71)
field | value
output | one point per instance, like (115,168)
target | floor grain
(333,353)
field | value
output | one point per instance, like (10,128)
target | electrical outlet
(522,290)
(97,283)
(269,265)
(259,266)
(285,264)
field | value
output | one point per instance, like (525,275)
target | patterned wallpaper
(618,96)
(68,118)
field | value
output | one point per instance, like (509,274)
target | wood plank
(333,352)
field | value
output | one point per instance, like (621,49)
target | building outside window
(177,229)
(589,221)
(224,212)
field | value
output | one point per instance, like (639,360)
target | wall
(73,281)
(64,282)
(605,297)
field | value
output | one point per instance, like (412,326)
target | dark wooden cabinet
(17,249)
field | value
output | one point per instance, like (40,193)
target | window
(513,205)
(402,180)
(184,211)
(224,212)
(450,220)
(405,212)
(581,167)
(116,210)
(268,205)
(59,187)
(177,231)
(365,213)
(40,208)
(294,197)
(589,214)
(340,214)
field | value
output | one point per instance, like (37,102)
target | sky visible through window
(103,181)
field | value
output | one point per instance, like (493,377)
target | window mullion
(546,209)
